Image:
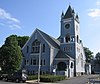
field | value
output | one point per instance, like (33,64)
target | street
(78,80)
(4,82)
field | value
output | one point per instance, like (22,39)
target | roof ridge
(50,39)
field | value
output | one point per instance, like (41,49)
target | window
(44,61)
(71,65)
(35,46)
(64,48)
(43,47)
(68,38)
(41,61)
(33,62)
(26,62)
(77,39)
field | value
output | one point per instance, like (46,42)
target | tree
(10,55)
(22,40)
(88,54)
(98,57)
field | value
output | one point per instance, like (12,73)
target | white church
(61,56)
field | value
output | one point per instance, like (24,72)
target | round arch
(61,66)
(68,38)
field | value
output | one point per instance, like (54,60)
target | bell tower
(69,35)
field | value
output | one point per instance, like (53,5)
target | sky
(22,17)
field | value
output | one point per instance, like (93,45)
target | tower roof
(69,12)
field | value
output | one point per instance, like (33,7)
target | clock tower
(70,42)
(70,36)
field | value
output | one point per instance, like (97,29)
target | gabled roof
(61,54)
(69,12)
(50,40)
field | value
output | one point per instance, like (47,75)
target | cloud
(94,12)
(7,19)
(14,26)
(98,3)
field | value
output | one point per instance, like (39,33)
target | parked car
(0,76)
(17,76)
(3,76)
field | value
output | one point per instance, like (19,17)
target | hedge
(47,78)
(32,77)
(52,78)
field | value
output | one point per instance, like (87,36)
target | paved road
(78,80)
(3,82)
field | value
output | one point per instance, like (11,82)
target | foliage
(98,57)
(32,77)
(88,54)
(51,78)
(10,55)
(22,40)
(47,78)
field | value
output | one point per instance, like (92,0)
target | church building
(61,56)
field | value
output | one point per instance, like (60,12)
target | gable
(37,34)
(61,54)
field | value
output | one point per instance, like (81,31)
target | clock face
(67,26)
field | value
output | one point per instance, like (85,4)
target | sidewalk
(35,82)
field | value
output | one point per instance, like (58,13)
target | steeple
(69,12)
(77,18)
(62,15)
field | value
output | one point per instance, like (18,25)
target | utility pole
(39,63)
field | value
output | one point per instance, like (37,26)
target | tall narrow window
(44,61)
(77,39)
(68,38)
(31,61)
(34,61)
(41,61)
(26,62)
(43,47)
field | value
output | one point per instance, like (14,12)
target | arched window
(68,38)
(35,46)
(71,65)
(43,47)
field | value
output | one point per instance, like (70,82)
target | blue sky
(22,17)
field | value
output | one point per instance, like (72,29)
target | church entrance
(61,66)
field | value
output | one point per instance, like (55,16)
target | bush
(47,78)
(51,78)
(32,77)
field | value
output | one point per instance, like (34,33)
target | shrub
(47,78)
(51,78)
(32,77)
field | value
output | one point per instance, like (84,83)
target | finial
(62,13)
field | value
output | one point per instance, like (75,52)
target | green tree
(88,54)
(10,55)
(22,40)
(98,57)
